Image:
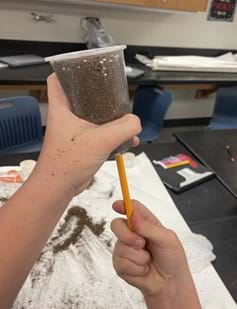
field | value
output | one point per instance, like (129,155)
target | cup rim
(87,53)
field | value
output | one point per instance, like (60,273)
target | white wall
(127,27)
(130,27)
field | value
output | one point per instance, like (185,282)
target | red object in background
(222,10)
(184,157)
(223,6)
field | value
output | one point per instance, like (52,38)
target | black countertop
(204,202)
(223,235)
(29,75)
(37,75)
(210,147)
(175,77)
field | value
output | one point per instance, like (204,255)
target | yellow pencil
(124,188)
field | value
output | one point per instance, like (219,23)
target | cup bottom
(121,149)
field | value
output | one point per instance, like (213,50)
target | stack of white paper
(224,63)
(3,65)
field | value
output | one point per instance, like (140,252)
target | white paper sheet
(3,65)
(225,63)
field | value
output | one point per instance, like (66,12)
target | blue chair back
(226,102)
(151,105)
(20,123)
(225,110)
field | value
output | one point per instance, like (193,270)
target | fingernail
(138,244)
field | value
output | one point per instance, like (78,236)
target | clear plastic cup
(27,167)
(95,84)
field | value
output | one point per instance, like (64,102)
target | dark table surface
(204,202)
(28,75)
(223,234)
(176,77)
(15,159)
(210,147)
(209,209)
(37,75)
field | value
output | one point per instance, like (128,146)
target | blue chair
(20,125)
(151,105)
(225,110)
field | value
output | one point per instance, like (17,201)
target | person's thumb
(116,132)
(145,224)
(56,94)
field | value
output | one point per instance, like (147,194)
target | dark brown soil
(96,86)
(68,233)
(73,235)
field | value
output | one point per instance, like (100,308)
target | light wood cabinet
(183,5)
(179,5)
(145,3)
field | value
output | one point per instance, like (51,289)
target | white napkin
(199,250)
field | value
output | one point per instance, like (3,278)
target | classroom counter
(37,75)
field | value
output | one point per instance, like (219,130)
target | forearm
(179,295)
(26,222)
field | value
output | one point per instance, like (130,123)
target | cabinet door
(182,5)
(146,3)
(179,5)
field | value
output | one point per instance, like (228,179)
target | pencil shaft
(124,188)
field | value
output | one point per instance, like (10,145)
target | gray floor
(166,135)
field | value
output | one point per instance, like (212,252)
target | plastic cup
(130,160)
(27,167)
(95,84)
